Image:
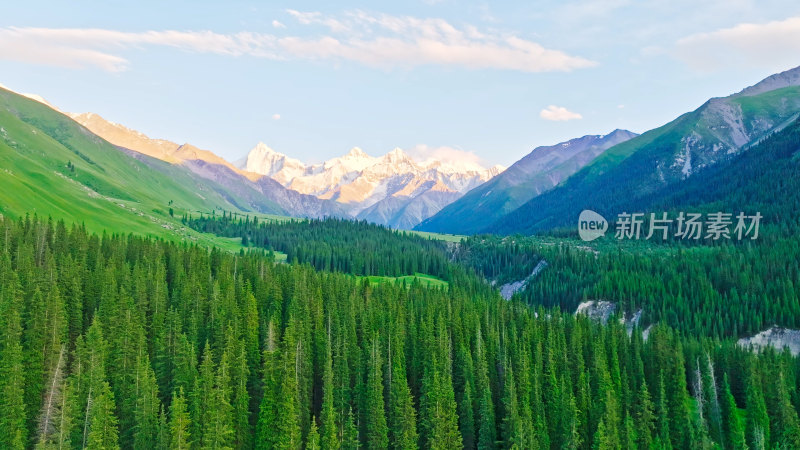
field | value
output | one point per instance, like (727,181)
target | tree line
(355,247)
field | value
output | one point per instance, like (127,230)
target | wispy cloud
(558,114)
(449,155)
(374,40)
(774,44)
(276,117)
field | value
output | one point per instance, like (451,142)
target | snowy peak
(264,160)
(358,181)
(396,155)
(356,153)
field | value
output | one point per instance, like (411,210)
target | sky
(480,81)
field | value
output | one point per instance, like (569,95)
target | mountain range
(633,172)
(393,190)
(537,172)
(637,173)
(79,166)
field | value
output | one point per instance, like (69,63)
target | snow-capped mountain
(393,189)
(247,190)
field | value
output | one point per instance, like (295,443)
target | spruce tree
(330,438)
(103,431)
(147,405)
(757,428)
(179,422)
(13,427)
(734,428)
(401,406)
(375,416)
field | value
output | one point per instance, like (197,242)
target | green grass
(423,279)
(52,167)
(437,236)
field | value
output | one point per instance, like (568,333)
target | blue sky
(480,80)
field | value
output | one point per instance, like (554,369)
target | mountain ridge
(717,131)
(382,189)
(538,171)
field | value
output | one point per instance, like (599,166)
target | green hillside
(51,166)
(655,162)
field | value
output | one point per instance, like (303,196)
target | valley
(156,295)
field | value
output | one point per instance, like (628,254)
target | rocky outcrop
(775,337)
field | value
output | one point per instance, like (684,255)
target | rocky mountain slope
(247,190)
(539,171)
(392,190)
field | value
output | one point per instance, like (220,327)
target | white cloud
(277,24)
(382,41)
(558,114)
(448,155)
(775,45)
(276,117)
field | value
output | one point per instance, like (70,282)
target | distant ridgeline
(355,247)
(131,342)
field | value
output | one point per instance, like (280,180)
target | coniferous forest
(120,341)
(356,247)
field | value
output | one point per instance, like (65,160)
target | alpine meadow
(495,269)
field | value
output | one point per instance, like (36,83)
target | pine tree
(467,418)
(643,418)
(162,439)
(375,416)
(241,401)
(401,405)
(179,422)
(220,433)
(486,419)
(147,405)
(330,438)
(513,434)
(204,413)
(34,341)
(757,429)
(313,438)
(441,408)
(607,436)
(13,431)
(265,437)
(350,440)
(88,382)
(287,421)
(103,431)
(734,428)
(786,428)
